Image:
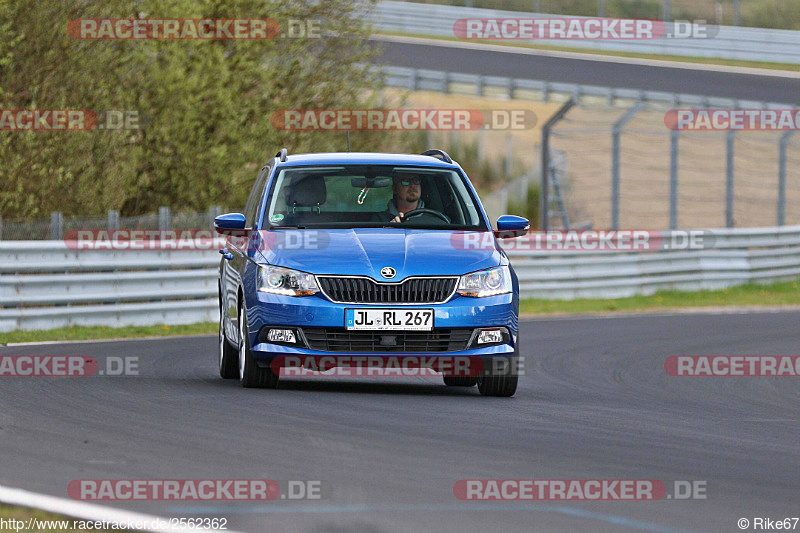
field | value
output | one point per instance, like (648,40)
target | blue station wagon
(371,254)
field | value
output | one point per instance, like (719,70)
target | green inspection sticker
(276,218)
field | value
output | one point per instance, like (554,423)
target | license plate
(389,319)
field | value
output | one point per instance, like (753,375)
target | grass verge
(751,294)
(659,57)
(42,520)
(83,333)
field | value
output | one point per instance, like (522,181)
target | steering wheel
(415,212)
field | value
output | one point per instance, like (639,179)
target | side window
(253,201)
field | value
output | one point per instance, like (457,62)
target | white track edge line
(85,511)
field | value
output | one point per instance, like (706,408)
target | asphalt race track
(603,71)
(595,403)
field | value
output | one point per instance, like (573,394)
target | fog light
(281,335)
(490,336)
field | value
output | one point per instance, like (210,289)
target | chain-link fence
(57,225)
(667,179)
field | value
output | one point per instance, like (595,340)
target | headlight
(285,281)
(489,282)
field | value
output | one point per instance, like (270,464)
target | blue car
(368,254)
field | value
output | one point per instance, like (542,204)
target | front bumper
(315,312)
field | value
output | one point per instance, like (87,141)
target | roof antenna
(348,141)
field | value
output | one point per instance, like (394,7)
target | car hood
(365,251)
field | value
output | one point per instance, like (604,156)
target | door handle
(226,254)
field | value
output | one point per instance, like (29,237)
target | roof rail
(438,154)
(282,155)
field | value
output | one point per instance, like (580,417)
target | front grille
(342,340)
(367,291)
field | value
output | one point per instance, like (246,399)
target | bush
(208,103)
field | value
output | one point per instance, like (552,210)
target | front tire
(250,375)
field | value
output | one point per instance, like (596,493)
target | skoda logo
(388,272)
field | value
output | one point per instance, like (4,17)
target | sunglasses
(409,181)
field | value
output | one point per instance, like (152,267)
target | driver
(407,190)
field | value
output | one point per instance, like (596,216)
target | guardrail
(45,285)
(730,42)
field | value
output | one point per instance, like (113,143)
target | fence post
(509,153)
(1,227)
(113,219)
(56,226)
(673,179)
(615,141)
(666,10)
(729,177)
(782,177)
(537,6)
(213,212)
(479,86)
(601,8)
(544,195)
(164,217)
(735,12)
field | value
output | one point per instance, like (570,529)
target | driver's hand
(398,219)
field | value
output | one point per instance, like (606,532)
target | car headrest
(307,191)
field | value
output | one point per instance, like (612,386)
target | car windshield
(371,196)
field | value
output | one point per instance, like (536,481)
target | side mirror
(229,222)
(510,226)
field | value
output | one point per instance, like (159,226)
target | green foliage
(207,103)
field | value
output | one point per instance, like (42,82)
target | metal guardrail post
(537,6)
(601,8)
(615,141)
(735,12)
(782,177)
(666,11)
(164,218)
(544,194)
(56,226)
(673,179)
(729,177)
(1,227)
(479,86)
(113,219)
